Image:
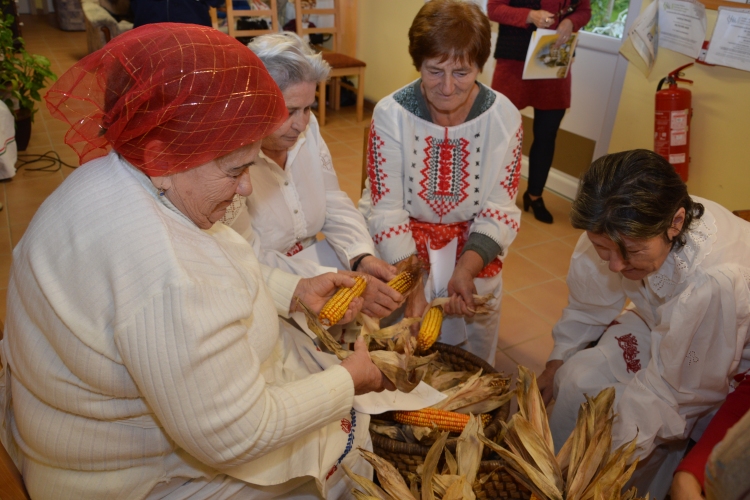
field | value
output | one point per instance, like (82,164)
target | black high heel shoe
(540,211)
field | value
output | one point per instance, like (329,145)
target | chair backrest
(234,14)
(302,13)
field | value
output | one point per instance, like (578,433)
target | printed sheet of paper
(442,264)
(543,60)
(642,43)
(730,43)
(682,26)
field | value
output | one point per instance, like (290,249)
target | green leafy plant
(22,75)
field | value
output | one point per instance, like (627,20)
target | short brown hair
(633,194)
(450,29)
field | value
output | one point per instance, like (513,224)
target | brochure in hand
(543,60)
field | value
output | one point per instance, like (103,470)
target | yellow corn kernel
(443,420)
(403,282)
(430,329)
(337,305)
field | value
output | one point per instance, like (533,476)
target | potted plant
(22,76)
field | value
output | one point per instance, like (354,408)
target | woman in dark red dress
(550,97)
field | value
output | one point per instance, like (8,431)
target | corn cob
(337,305)
(443,420)
(430,329)
(403,282)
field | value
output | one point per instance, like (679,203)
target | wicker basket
(407,456)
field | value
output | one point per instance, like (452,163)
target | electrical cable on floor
(53,162)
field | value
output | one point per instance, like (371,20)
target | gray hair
(633,194)
(289,60)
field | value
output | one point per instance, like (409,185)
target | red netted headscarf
(200,92)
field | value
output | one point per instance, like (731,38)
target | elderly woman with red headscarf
(142,354)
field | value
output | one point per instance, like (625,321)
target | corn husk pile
(585,469)
(453,482)
(467,394)
(398,363)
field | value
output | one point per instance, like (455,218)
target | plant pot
(23,129)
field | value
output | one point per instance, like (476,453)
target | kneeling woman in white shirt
(296,192)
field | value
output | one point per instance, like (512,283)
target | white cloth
(137,348)
(290,206)
(8,147)
(442,175)
(696,309)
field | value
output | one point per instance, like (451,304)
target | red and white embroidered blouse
(441,175)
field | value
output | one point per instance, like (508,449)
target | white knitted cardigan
(135,342)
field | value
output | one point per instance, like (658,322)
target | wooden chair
(234,14)
(341,64)
(743,214)
(11,482)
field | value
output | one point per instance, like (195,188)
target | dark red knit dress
(541,94)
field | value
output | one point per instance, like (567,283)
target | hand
(416,304)
(546,380)
(377,267)
(540,18)
(564,29)
(461,290)
(365,375)
(379,299)
(315,292)
(685,487)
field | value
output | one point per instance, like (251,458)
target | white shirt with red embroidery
(442,175)
(290,206)
(697,306)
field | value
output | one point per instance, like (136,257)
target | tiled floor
(535,290)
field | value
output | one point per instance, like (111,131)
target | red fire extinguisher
(672,122)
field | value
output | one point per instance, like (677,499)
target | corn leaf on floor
(534,274)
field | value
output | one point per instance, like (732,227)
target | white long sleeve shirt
(441,175)
(697,306)
(136,344)
(290,206)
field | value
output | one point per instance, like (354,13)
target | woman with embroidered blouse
(683,263)
(444,159)
(297,193)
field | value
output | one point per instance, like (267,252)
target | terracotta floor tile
(32,191)
(3,300)
(519,324)
(519,272)
(560,228)
(5,246)
(349,134)
(340,149)
(506,365)
(530,235)
(532,354)
(547,300)
(5,262)
(552,256)
(16,233)
(22,214)
(571,240)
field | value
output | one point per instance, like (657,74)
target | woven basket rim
(490,431)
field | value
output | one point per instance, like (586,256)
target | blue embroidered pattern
(349,444)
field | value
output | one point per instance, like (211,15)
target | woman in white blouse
(296,193)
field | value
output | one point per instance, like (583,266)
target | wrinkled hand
(379,299)
(565,29)
(540,18)
(377,267)
(461,290)
(547,378)
(365,375)
(416,304)
(315,292)
(685,487)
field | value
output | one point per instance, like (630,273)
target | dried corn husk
(390,479)
(404,370)
(391,431)
(482,303)
(584,469)
(442,380)
(477,389)
(371,489)
(358,495)
(319,330)
(469,453)
(457,490)
(430,466)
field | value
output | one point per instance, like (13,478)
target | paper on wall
(442,264)
(682,26)
(730,43)
(642,43)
